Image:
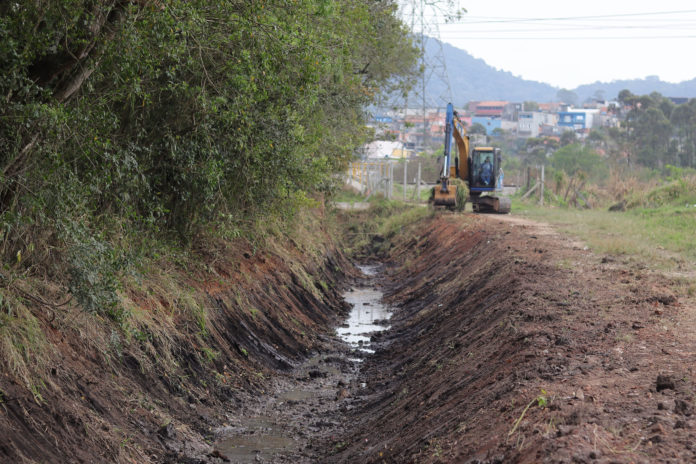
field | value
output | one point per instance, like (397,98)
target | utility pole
(432,60)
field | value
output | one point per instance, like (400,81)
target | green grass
(661,237)
(411,192)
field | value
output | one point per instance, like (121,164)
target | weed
(254,312)
(244,352)
(541,401)
(209,354)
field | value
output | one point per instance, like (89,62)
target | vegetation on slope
(128,122)
(146,149)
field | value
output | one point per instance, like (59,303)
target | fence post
(405,176)
(391,180)
(418,182)
(541,195)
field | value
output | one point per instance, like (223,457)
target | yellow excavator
(480,168)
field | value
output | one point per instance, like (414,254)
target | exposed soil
(507,343)
(512,344)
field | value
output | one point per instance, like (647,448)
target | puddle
(366,317)
(369,269)
(297,395)
(258,438)
(281,436)
(252,448)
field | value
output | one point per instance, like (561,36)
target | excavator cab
(484,169)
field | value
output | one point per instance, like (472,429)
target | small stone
(580,395)
(682,407)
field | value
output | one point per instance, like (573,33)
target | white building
(529,122)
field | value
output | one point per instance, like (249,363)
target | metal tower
(424,17)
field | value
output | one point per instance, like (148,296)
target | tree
(567,96)
(576,158)
(477,128)
(568,137)
(651,134)
(683,119)
(530,106)
(164,117)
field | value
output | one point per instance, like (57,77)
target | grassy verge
(662,238)
(368,233)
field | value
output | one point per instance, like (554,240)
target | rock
(664,382)
(682,407)
(580,395)
(167,431)
(618,207)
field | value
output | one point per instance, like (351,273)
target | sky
(567,44)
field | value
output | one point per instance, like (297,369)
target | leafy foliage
(165,117)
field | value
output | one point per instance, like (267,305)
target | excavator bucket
(445,198)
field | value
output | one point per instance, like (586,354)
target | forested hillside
(472,79)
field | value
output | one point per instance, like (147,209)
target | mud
(476,340)
(510,343)
(308,405)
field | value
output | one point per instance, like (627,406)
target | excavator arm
(459,132)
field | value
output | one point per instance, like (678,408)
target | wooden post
(364,177)
(541,190)
(391,180)
(529,177)
(405,178)
(418,181)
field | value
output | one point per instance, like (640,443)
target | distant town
(408,133)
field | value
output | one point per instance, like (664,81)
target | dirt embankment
(512,346)
(154,387)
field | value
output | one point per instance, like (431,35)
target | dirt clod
(664,382)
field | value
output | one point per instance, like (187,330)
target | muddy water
(368,315)
(307,405)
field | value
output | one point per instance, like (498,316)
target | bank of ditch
(201,335)
(504,344)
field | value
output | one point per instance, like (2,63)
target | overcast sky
(568,44)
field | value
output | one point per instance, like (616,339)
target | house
(577,119)
(381,149)
(530,122)
(488,122)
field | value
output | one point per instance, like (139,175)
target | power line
(576,38)
(569,18)
(580,27)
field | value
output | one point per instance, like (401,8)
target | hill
(473,79)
